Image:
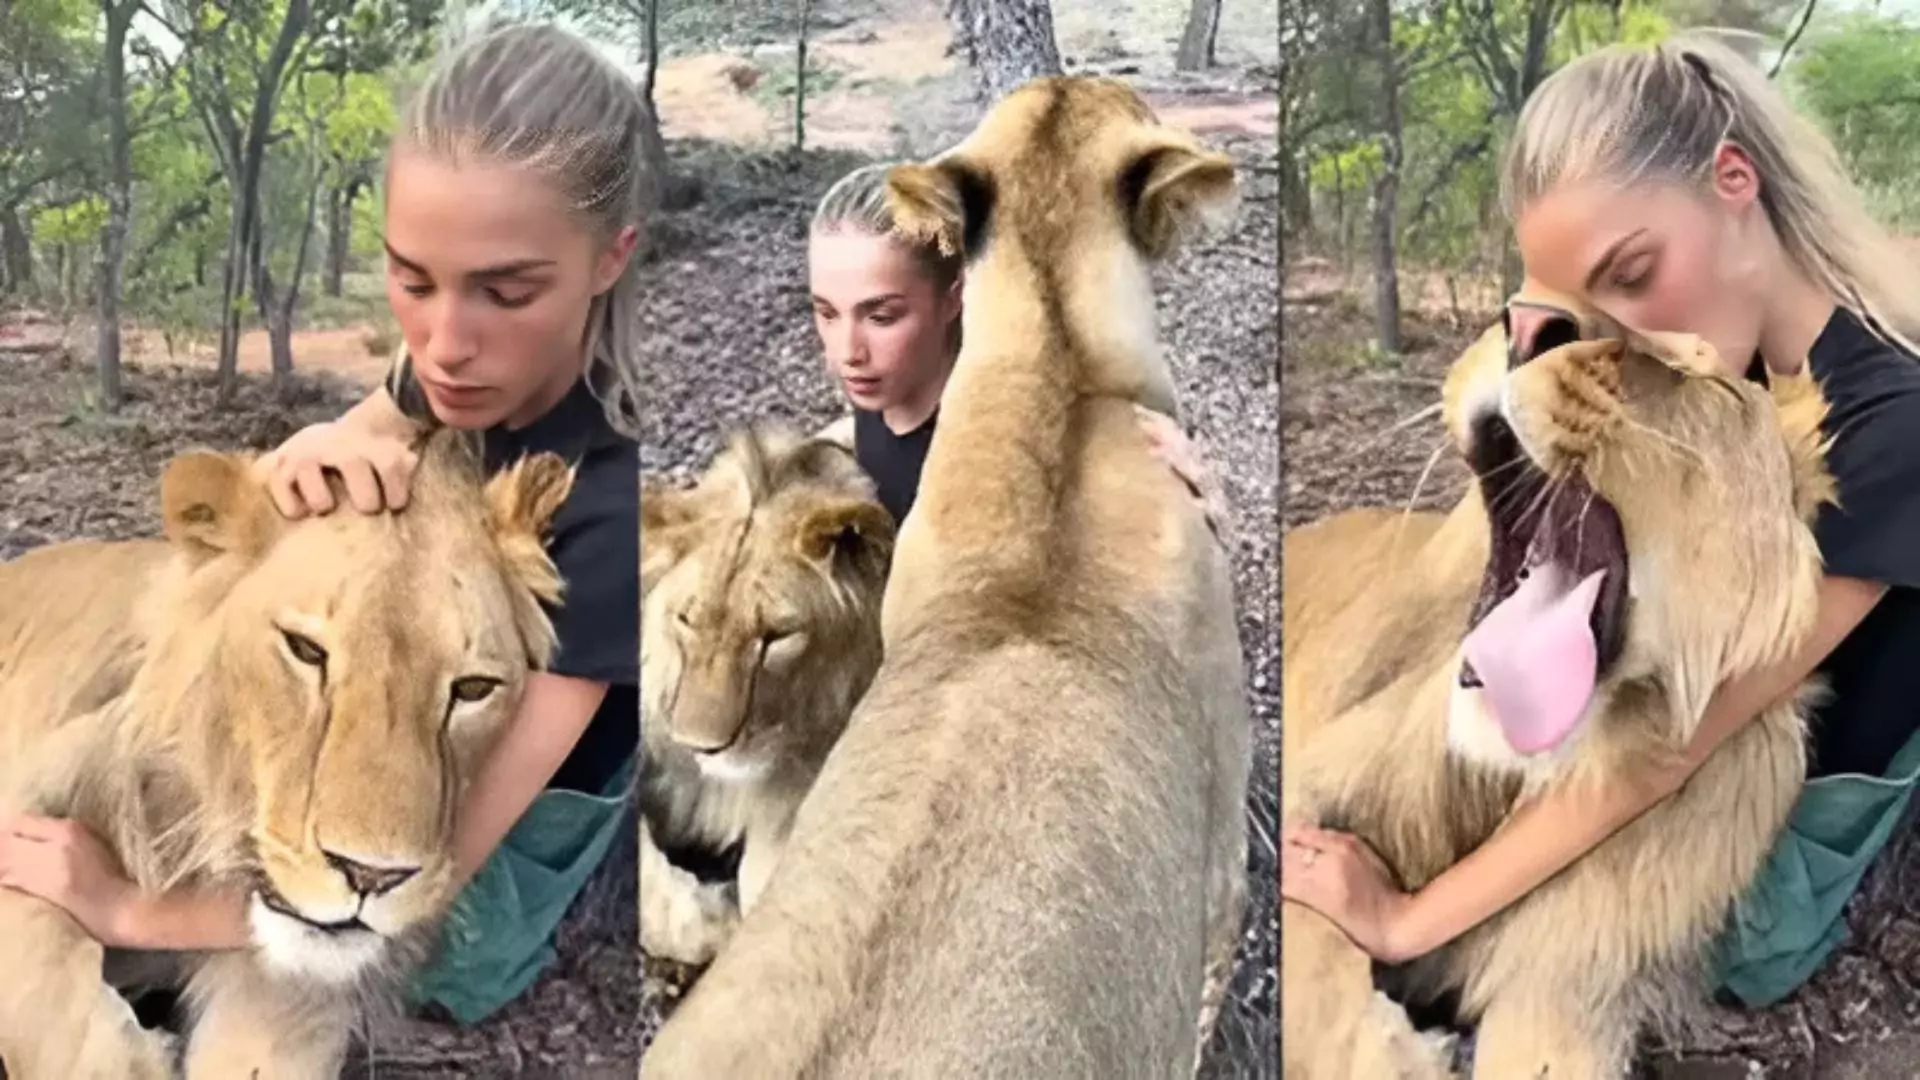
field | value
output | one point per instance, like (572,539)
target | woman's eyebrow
(872,302)
(486,273)
(1606,258)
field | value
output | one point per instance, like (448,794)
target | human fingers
(310,480)
(362,484)
(394,463)
(280,481)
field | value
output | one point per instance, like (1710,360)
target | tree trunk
(1006,43)
(334,280)
(241,238)
(16,252)
(280,314)
(1196,45)
(650,34)
(113,239)
(800,80)
(1386,187)
(340,200)
(1288,161)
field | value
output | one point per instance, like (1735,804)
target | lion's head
(769,614)
(1069,189)
(326,686)
(1649,525)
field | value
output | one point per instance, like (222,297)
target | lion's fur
(148,692)
(1026,855)
(781,535)
(1716,482)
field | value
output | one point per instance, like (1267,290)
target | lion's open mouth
(1550,619)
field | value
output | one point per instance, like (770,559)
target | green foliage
(1860,77)
(1347,169)
(781,79)
(1453,123)
(77,222)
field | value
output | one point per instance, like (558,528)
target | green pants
(1791,918)
(499,936)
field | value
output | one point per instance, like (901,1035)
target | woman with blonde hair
(1674,188)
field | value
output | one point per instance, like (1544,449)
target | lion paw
(685,920)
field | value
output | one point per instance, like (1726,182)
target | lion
(1646,516)
(289,706)
(755,647)
(1026,855)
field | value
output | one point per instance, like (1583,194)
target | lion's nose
(369,880)
(1534,329)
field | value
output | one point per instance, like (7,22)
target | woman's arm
(202,920)
(1548,834)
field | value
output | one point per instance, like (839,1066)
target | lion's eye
(474,688)
(304,649)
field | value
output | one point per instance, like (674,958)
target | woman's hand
(62,862)
(1171,445)
(1339,876)
(376,468)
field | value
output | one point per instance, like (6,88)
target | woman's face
(490,279)
(885,327)
(1661,255)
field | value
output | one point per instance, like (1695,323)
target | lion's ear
(211,503)
(847,533)
(522,500)
(941,203)
(1174,188)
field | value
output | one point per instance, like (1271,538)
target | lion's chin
(1475,735)
(302,951)
(732,767)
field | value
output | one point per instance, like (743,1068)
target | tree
(48,53)
(228,47)
(1006,43)
(1196,44)
(799,78)
(1386,184)
(113,241)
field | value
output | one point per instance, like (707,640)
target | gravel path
(67,471)
(1346,446)
(728,340)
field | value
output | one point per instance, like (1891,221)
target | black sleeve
(406,393)
(595,545)
(1874,423)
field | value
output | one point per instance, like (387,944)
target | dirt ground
(1355,435)
(68,471)
(727,336)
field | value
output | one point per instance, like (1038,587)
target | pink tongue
(1536,658)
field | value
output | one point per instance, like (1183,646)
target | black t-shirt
(594,542)
(1873,395)
(893,461)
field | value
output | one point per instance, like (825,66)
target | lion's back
(67,625)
